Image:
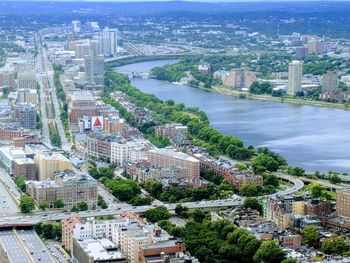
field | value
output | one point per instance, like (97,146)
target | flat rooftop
(100,249)
(169,152)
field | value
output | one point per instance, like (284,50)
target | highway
(20,219)
(8,205)
(35,246)
(298,184)
(14,249)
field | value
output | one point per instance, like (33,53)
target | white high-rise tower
(295,74)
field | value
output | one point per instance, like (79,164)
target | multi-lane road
(45,75)
(42,79)
(20,219)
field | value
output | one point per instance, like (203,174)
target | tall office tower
(82,50)
(100,44)
(106,42)
(113,38)
(26,79)
(96,47)
(316,46)
(7,77)
(26,115)
(76,26)
(330,81)
(295,74)
(94,69)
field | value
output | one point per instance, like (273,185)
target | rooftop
(170,152)
(100,249)
(82,95)
(24,161)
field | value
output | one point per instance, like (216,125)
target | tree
(82,206)
(75,209)
(154,187)
(335,179)
(181,210)
(296,171)
(311,236)
(248,190)
(269,252)
(20,182)
(27,203)
(58,203)
(253,203)
(157,214)
(123,189)
(264,161)
(137,200)
(43,206)
(335,246)
(198,215)
(271,179)
(101,202)
(317,190)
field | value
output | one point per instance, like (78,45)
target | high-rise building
(82,50)
(301,52)
(26,79)
(330,81)
(76,26)
(94,69)
(96,47)
(106,42)
(26,114)
(343,202)
(113,38)
(316,46)
(7,77)
(295,74)
(27,96)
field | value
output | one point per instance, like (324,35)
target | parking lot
(57,251)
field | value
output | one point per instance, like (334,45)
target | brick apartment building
(169,157)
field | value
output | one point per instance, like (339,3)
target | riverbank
(246,95)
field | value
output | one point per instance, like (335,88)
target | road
(8,187)
(108,197)
(41,78)
(35,246)
(14,249)
(47,71)
(298,184)
(117,209)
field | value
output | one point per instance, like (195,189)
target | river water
(315,138)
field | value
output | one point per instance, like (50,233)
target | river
(315,138)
